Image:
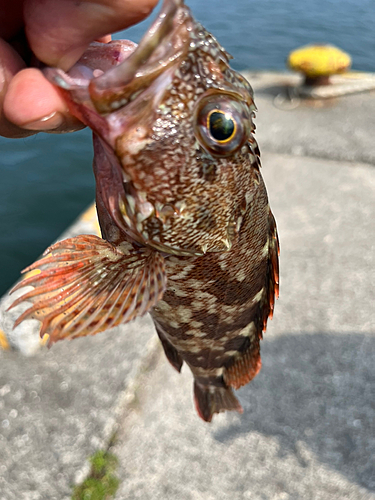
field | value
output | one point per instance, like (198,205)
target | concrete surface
(337,129)
(60,406)
(308,429)
(308,426)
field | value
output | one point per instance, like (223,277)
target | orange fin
(211,399)
(273,272)
(246,366)
(86,285)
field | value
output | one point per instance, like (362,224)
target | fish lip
(162,47)
(133,87)
(149,43)
(79,76)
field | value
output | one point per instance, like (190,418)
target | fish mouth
(162,48)
(114,89)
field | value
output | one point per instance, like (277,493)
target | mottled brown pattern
(212,381)
(184,212)
(223,306)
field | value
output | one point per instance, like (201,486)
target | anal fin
(87,285)
(245,367)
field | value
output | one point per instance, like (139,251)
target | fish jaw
(179,194)
(114,89)
(162,47)
(109,76)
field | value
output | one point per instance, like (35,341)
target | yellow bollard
(319,62)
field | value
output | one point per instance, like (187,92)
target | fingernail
(50,122)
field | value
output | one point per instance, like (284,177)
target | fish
(187,231)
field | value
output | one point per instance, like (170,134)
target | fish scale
(187,231)
(225,352)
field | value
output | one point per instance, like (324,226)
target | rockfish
(187,231)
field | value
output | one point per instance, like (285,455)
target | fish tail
(211,399)
(85,285)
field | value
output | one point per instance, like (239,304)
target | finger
(104,39)
(32,103)
(59,31)
(10,64)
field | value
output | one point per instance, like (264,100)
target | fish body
(187,231)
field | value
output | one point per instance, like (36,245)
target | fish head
(174,123)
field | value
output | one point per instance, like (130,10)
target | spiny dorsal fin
(86,285)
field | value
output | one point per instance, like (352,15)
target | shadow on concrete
(318,388)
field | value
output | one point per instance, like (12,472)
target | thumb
(59,31)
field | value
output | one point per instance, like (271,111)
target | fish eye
(222,124)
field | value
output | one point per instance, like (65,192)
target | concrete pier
(308,428)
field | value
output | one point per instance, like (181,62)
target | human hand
(57,33)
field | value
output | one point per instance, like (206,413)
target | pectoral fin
(87,285)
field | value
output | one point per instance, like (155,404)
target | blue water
(46,180)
